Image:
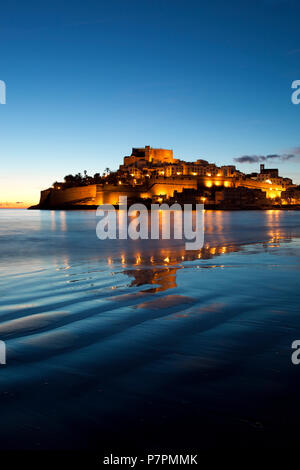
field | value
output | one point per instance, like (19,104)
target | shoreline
(295,207)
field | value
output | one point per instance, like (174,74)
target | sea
(145,346)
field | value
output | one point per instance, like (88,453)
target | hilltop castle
(154,174)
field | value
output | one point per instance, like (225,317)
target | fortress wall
(109,194)
(272,190)
(44,195)
(167,187)
(210,182)
(79,195)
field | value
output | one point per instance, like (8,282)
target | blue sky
(88,80)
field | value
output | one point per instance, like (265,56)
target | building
(146,155)
(154,174)
(146,165)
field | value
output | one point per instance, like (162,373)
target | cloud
(7,204)
(295,51)
(295,151)
(292,154)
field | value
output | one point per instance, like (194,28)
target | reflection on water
(164,278)
(116,332)
(161,270)
(36,236)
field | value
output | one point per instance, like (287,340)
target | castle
(154,174)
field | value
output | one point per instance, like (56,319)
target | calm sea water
(143,345)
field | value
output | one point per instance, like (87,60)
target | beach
(143,345)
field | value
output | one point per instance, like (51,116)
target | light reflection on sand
(123,330)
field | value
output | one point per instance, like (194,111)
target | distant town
(153,175)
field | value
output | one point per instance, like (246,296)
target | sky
(87,81)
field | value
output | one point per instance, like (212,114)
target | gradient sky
(88,80)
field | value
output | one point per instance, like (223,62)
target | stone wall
(161,186)
(109,194)
(79,195)
(167,186)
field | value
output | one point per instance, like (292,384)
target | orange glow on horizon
(22,189)
(17,205)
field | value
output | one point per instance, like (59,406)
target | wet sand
(143,345)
